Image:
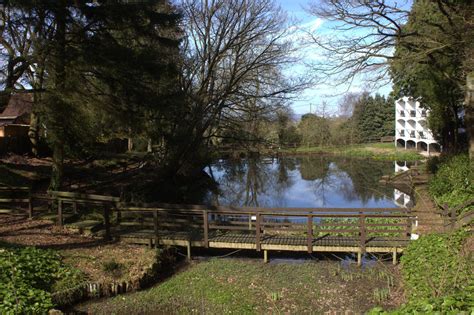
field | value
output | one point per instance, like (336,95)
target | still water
(312,181)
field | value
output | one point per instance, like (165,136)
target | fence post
(362,232)
(206,228)
(257,233)
(155,226)
(107,222)
(30,206)
(74,206)
(119,216)
(310,233)
(408,227)
(60,213)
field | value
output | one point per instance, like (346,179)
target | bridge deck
(354,230)
(326,243)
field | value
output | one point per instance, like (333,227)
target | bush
(432,164)
(433,266)
(27,278)
(453,182)
(437,276)
(455,304)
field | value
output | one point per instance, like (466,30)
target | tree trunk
(57,167)
(130,140)
(33,133)
(57,103)
(469,110)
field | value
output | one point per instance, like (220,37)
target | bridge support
(188,251)
(359,258)
(394,256)
(265,256)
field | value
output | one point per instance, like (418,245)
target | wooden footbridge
(344,230)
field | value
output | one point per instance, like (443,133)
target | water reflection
(402,198)
(315,181)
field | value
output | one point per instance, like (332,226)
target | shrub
(27,278)
(432,164)
(454,304)
(432,266)
(453,182)
(437,276)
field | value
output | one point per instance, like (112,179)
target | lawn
(224,286)
(381,151)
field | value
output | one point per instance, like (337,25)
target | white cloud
(312,26)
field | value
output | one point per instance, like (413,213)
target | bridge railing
(204,223)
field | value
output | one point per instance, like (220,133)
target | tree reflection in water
(313,181)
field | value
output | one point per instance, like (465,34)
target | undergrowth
(28,278)
(453,182)
(437,273)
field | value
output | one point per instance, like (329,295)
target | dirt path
(429,220)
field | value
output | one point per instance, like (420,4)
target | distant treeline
(363,118)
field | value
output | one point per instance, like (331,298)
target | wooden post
(188,247)
(155,227)
(107,222)
(394,256)
(310,233)
(30,207)
(359,258)
(60,213)
(257,233)
(362,232)
(408,232)
(119,216)
(206,228)
(74,207)
(265,256)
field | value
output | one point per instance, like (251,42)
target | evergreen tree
(441,47)
(109,69)
(373,117)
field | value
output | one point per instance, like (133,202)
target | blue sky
(313,97)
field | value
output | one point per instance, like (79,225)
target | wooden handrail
(167,206)
(266,220)
(91,197)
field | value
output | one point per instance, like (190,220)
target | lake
(309,181)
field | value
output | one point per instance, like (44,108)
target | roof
(19,104)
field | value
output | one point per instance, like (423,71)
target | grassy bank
(222,286)
(380,151)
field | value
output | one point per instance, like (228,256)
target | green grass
(379,151)
(224,286)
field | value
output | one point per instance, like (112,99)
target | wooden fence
(295,229)
(17,145)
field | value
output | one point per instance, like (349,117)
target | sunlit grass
(380,151)
(223,286)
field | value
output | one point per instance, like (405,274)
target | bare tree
(14,50)
(363,35)
(235,52)
(347,104)
(361,39)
